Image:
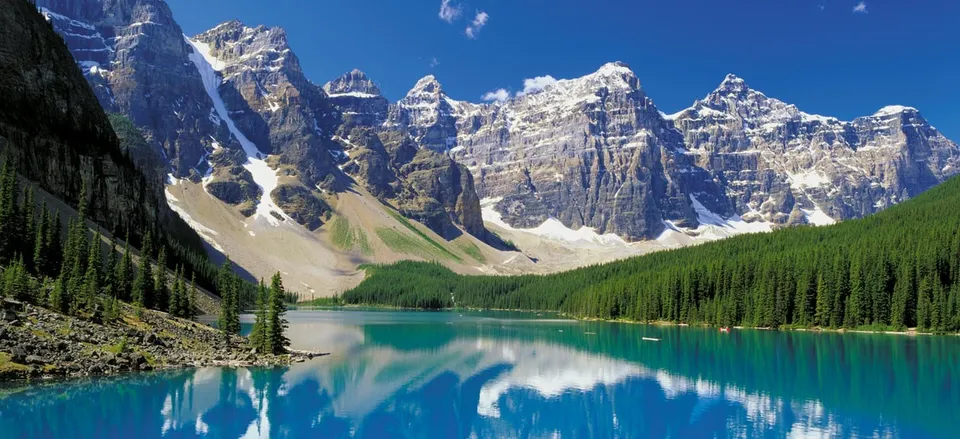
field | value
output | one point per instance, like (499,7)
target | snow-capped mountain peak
(354,83)
(892,110)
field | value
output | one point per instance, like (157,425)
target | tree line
(69,274)
(894,270)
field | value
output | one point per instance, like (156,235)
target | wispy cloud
(860,8)
(449,11)
(499,95)
(478,23)
(434,62)
(533,85)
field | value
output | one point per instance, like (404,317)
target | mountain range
(282,173)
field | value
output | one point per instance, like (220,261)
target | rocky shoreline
(39,344)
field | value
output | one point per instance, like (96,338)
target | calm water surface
(502,375)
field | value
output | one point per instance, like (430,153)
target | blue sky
(842,58)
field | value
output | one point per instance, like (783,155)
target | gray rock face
(358,99)
(58,135)
(272,102)
(592,152)
(133,55)
(788,167)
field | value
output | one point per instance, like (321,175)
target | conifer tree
(92,277)
(8,209)
(857,311)
(276,324)
(146,269)
(123,284)
(39,259)
(175,306)
(190,310)
(160,290)
(16,281)
(258,335)
(109,271)
(28,211)
(54,247)
(58,297)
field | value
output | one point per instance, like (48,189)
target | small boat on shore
(725,329)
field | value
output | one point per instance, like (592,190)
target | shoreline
(37,345)
(910,332)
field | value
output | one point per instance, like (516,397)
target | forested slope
(899,268)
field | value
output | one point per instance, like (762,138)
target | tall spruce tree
(123,284)
(90,291)
(277,342)
(25,240)
(39,259)
(8,210)
(160,290)
(258,335)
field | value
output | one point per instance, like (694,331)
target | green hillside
(897,269)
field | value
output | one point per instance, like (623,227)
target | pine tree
(160,290)
(123,284)
(39,260)
(190,310)
(228,287)
(28,211)
(173,305)
(90,290)
(8,209)
(276,324)
(824,302)
(258,335)
(924,291)
(857,312)
(58,300)
(16,281)
(146,253)
(54,247)
(901,297)
(110,269)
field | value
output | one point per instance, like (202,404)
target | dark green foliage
(276,342)
(896,269)
(228,284)
(161,293)
(123,273)
(258,335)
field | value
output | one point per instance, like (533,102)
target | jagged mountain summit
(358,99)
(595,152)
(791,167)
(133,55)
(590,159)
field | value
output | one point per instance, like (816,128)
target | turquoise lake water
(505,375)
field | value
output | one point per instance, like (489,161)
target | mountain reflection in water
(439,375)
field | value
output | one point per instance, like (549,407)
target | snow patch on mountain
(553,229)
(263,175)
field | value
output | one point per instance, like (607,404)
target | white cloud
(434,62)
(449,11)
(478,23)
(860,8)
(499,95)
(533,85)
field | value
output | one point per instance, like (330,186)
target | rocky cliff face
(133,55)
(358,99)
(591,152)
(790,167)
(55,130)
(595,152)
(233,106)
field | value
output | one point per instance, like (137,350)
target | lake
(394,374)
